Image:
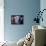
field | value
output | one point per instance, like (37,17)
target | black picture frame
(17,19)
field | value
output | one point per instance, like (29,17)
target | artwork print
(17,19)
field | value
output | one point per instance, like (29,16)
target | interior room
(22,23)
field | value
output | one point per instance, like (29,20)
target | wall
(43,6)
(18,7)
(1,20)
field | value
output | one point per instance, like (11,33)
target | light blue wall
(43,6)
(18,7)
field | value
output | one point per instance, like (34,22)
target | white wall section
(1,20)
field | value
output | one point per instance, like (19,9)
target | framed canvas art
(17,19)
